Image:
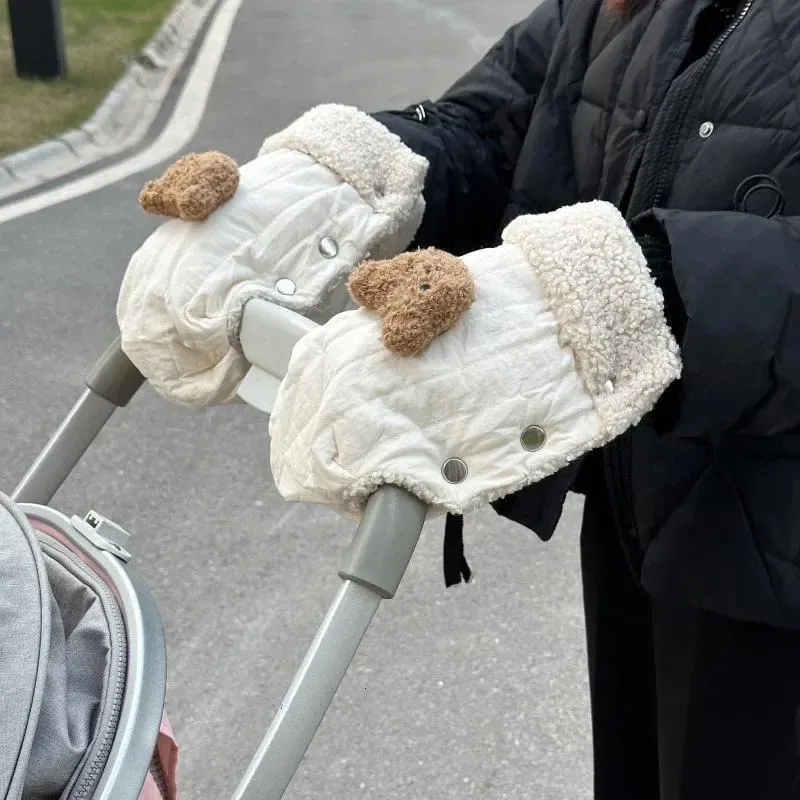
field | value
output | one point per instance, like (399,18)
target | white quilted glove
(557,345)
(332,189)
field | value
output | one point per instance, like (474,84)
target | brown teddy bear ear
(151,198)
(407,334)
(193,187)
(196,202)
(435,306)
(372,281)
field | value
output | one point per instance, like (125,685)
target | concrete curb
(126,114)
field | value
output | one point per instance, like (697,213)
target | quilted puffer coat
(686,115)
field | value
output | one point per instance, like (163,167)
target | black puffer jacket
(686,115)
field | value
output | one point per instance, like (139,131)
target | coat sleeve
(472,136)
(738,279)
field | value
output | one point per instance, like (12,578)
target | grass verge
(101,36)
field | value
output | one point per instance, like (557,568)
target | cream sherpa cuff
(609,310)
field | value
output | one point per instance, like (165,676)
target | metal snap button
(285,286)
(533,438)
(706,129)
(328,247)
(454,470)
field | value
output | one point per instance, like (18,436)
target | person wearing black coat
(685,114)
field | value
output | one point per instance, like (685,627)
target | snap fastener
(706,129)
(285,286)
(454,470)
(533,438)
(329,247)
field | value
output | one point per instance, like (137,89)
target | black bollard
(37,37)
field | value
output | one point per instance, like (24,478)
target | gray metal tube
(385,541)
(65,448)
(310,694)
(111,384)
(377,560)
(114,377)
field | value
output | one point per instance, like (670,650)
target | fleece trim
(609,309)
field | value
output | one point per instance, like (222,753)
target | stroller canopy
(64,660)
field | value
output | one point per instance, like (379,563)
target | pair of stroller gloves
(508,362)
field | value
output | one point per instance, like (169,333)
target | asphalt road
(475,692)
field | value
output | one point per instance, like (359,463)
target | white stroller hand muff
(332,189)
(563,348)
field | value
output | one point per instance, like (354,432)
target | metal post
(37,37)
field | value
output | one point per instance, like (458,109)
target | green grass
(101,36)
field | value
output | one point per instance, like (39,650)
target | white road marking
(188,112)
(181,128)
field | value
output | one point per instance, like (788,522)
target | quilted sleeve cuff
(384,171)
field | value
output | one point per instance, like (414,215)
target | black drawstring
(749,187)
(456,568)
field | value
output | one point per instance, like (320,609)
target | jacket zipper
(618,453)
(91,770)
(713,52)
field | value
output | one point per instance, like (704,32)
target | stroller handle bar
(112,383)
(371,569)
(114,377)
(268,334)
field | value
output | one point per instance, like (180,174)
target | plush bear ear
(193,187)
(419,295)
(407,332)
(372,282)
(423,312)
(197,202)
(151,198)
